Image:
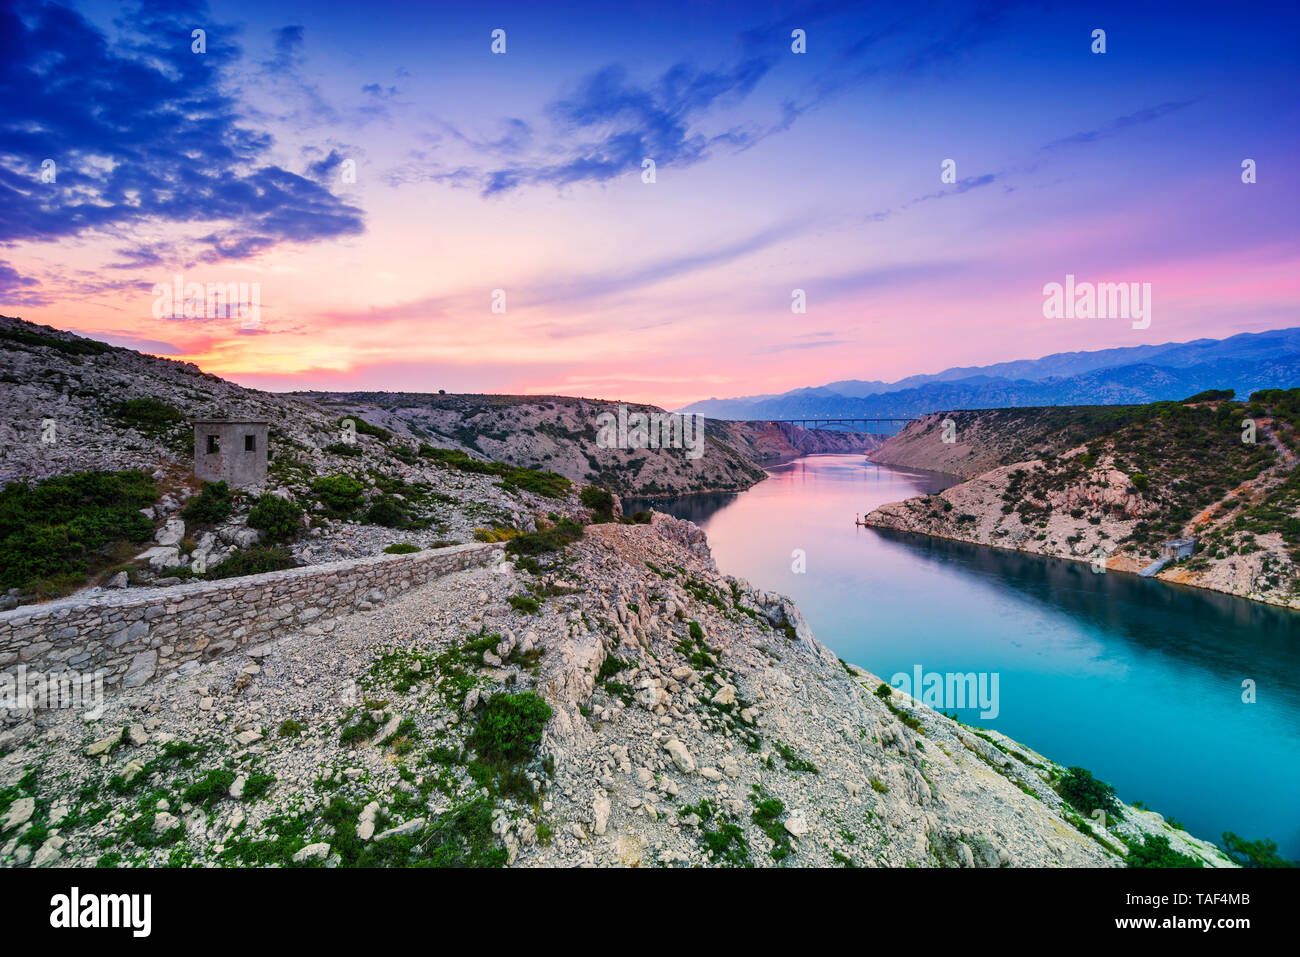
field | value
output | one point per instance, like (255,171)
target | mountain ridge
(1129,374)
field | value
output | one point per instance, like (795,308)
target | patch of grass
(210,788)
(257,785)
(401,548)
(792,760)
(367,428)
(767,811)
(725,841)
(510,727)
(505,738)
(524,603)
(363,729)
(402,741)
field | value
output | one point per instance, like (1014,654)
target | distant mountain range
(1134,374)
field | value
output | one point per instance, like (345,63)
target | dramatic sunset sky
(523,172)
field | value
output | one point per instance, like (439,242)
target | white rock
(681,756)
(50,852)
(413,826)
(171,533)
(600,814)
(797,824)
(20,812)
(312,852)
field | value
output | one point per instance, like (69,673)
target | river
(1137,680)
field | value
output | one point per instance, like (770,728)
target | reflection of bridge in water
(892,425)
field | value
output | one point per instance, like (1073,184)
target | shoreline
(1078,559)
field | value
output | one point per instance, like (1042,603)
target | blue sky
(522,172)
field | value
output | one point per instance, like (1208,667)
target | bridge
(869,424)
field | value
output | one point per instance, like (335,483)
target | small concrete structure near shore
(1170,551)
(231,451)
(1178,548)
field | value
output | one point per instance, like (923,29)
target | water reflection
(1138,680)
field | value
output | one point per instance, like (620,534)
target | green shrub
(74,347)
(213,504)
(1262,853)
(62,526)
(523,603)
(510,728)
(548,484)
(255,560)
(463,838)
(401,548)
(1086,793)
(340,494)
(257,784)
(546,540)
(365,428)
(1154,851)
(148,414)
(343,448)
(599,501)
(209,789)
(385,511)
(278,519)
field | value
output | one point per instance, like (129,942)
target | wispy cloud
(19,290)
(141,133)
(1120,124)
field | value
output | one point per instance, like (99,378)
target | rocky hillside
(1108,484)
(612,702)
(561,434)
(769,442)
(335,489)
(556,433)
(356,472)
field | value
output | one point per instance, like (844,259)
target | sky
(386,179)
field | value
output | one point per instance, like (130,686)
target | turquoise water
(1137,680)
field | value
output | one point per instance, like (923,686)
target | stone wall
(131,636)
